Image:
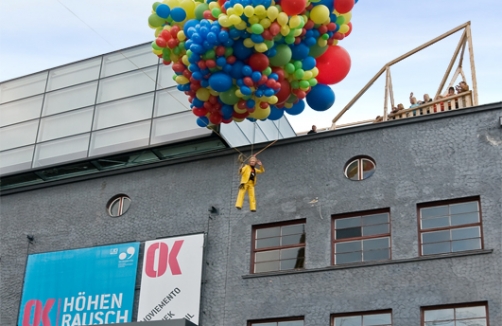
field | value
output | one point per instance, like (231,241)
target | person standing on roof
(313,131)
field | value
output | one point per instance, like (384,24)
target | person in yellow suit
(248,181)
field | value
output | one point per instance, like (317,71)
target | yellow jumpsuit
(248,185)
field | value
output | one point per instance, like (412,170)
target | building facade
(397,223)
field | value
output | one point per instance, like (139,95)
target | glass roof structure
(122,103)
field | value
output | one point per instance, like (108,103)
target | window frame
(362,313)
(275,320)
(121,211)
(360,173)
(354,214)
(272,225)
(449,202)
(423,309)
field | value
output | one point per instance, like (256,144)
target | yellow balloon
(307,75)
(321,42)
(248,11)
(261,47)
(236,109)
(344,28)
(285,30)
(188,6)
(282,18)
(248,43)
(294,21)
(288,105)
(260,113)
(272,99)
(158,30)
(182,80)
(319,14)
(253,20)
(202,94)
(230,11)
(238,9)
(157,52)
(241,26)
(272,13)
(213,92)
(234,19)
(172,3)
(315,72)
(297,32)
(237,119)
(213,5)
(181,36)
(174,58)
(223,20)
(260,11)
(185,61)
(265,22)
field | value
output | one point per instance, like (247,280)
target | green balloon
(229,52)
(312,82)
(316,50)
(340,20)
(267,71)
(155,46)
(299,73)
(210,54)
(155,5)
(298,64)
(199,10)
(282,57)
(304,84)
(155,21)
(257,29)
(229,97)
(216,12)
(290,68)
(295,84)
(292,98)
(290,39)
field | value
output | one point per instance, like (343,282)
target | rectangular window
(293,321)
(361,237)
(278,246)
(450,226)
(458,315)
(375,318)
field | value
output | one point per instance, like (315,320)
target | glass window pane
(375,219)
(123,111)
(470,312)
(293,229)
(348,321)
(16,160)
(444,323)
(438,315)
(268,232)
(382,254)
(177,127)
(368,168)
(267,256)
(66,171)
(18,135)
(233,134)
(466,218)
(293,239)
(66,124)
(127,60)
(126,202)
(348,258)
(292,253)
(292,263)
(61,150)
(23,87)
(436,236)
(120,138)
(285,127)
(471,322)
(265,324)
(21,110)
(466,233)
(352,171)
(114,207)
(268,242)
(266,267)
(125,160)
(169,101)
(434,211)
(435,248)
(464,207)
(347,222)
(166,74)
(269,129)
(348,233)
(125,85)
(375,229)
(70,98)
(372,244)
(74,73)
(348,246)
(463,245)
(380,319)
(291,323)
(253,134)
(436,222)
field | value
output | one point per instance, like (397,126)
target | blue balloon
(250,103)
(300,51)
(256,76)
(308,63)
(321,97)
(328,3)
(241,52)
(247,71)
(237,70)
(223,36)
(190,24)
(275,113)
(197,103)
(163,11)
(227,111)
(220,82)
(178,14)
(202,121)
(221,61)
(297,108)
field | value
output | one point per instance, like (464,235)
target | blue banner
(89,286)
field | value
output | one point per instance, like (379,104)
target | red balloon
(284,92)
(215,118)
(344,6)
(258,62)
(279,72)
(161,42)
(333,65)
(200,112)
(294,7)
(350,29)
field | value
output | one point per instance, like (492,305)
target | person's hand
(411,94)
(241,186)
(258,162)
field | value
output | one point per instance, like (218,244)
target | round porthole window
(118,205)
(360,168)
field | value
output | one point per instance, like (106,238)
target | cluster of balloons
(253,59)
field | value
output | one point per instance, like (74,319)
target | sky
(40,34)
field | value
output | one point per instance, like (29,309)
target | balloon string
(140,69)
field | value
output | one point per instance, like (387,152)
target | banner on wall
(88,286)
(171,279)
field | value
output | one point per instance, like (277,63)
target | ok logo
(164,259)
(40,313)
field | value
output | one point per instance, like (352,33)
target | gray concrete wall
(420,160)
